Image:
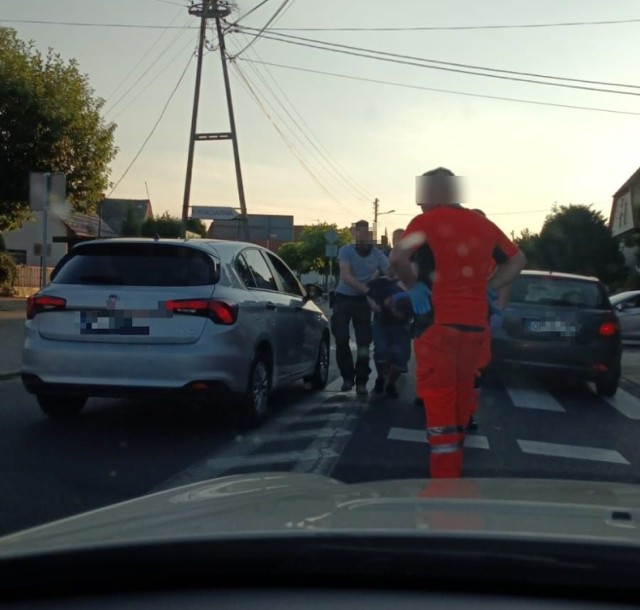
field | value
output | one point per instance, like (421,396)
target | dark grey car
(563,323)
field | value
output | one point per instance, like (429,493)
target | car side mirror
(314,292)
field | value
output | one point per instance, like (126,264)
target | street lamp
(375,222)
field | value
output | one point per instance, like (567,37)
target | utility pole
(217,10)
(376,206)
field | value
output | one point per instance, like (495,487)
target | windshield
(547,291)
(335,251)
(136,265)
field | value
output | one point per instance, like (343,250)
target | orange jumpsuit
(454,253)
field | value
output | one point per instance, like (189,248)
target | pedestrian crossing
(313,436)
(536,397)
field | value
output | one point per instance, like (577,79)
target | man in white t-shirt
(360,262)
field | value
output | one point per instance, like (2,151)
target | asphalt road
(119,450)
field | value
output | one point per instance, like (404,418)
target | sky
(518,159)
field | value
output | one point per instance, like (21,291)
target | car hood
(286,504)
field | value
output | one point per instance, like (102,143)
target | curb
(9,375)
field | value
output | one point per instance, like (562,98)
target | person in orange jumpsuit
(454,249)
(497,302)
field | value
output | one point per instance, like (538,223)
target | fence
(29,276)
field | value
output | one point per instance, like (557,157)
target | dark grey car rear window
(551,291)
(150,264)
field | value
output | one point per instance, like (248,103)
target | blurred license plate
(92,323)
(559,327)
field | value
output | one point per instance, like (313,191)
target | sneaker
(379,387)
(473,424)
(392,392)
(347,385)
(361,389)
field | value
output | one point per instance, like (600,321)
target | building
(268,230)
(625,208)
(65,229)
(114,212)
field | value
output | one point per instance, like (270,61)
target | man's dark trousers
(347,309)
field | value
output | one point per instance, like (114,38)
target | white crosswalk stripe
(575,452)
(472,441)
(625,403)
(533,398)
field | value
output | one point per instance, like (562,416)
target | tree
(8,273)
(291,253)
(49,122)
(529,243)
(168,226)
(313,243)
(576,239)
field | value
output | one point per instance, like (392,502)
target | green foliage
(8,273)
(291,254)
(168,226)
(49,121)
(575,239)
(308,254)
(3,247)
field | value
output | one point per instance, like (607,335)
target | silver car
(627,306)
(205,318)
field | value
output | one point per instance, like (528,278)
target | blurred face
(432,191)
(362,235)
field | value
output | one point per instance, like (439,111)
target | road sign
(46,190)
(331,250)
(331,237)
(209,212)
(38,200)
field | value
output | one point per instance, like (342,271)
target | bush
(3,248)
(8,273)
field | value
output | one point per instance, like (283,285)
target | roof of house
(87,225)
(114,211)
(635,177)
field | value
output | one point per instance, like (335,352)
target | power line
(284,12)
(264,27)
(135,67)
(153,80)
(136,26)
(246,83)
(166,49)
(449,91)
(153,129)
(255,8)
(313,139)
(521,212)
(170,2)
(449,28)
(442,65)
(274,30)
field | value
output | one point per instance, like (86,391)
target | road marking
(326,441)
(314,419)
(626,403)
(532,398)
(326,432)
(283,457)
(575,452)
(472,441)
